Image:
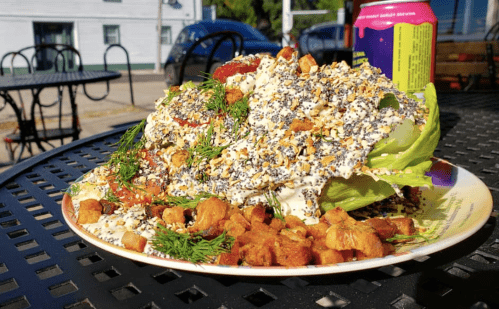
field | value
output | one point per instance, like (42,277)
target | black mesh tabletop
(43,264)
(32,81)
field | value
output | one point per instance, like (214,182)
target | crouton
(336,216)
(257,254)
(155,210)
(133,241)
(237,225)
(232,95)
(306,63)
(384,227)
(208,213)
(405,226)
(255,214)
(180,157)
(286,53)
(233,229)
(292,253)
(89,212)
(360,236)
(294,221)
(297,233)
(322,255)
(298,125)
(317,231)
(277,224)
(173,215)
(108,207)
(230,258)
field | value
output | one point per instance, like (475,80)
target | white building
(91,25)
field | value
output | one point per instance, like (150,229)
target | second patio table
(36,83)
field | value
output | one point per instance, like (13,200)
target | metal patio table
(43,264)
(36,83)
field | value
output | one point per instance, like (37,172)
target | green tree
(266,15)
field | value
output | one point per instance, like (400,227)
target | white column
(287,21)
(157,66)
(468,9)
(492,12)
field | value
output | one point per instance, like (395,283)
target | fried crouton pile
(260,239)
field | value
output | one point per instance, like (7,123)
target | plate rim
(282,271)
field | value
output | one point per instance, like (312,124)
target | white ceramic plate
(457,207)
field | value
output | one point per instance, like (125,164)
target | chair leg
(10,150)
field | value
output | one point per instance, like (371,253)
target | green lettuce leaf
(405,154)
(391,154)
(354,192)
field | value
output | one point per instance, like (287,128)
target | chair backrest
(219,38)
(42,58)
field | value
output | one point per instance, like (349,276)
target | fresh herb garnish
(275,204)
(260,138)
(406,237)
(204,149)
(74,189)
(239,111)
(321,136)
(188,202)
(111,197)
(173,91)
(126,157)
(190,247)
(217,100)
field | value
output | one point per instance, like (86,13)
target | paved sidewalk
(95,116)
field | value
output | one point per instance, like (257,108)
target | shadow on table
(448,120)
(457,287)
(464,101)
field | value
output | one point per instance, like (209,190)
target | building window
(166,35)
(111,34)
(461,18)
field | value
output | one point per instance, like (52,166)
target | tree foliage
(266,15)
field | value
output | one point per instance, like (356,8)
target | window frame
(166,35)
(105,29)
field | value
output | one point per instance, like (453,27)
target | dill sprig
(190,247)
(173,91)
(260,138)
(239,111)
(275,204)
(406,237)
(74,190)
(217,100)
(126,157)
(111,197)
(321,136)
(204,149)
(186,201)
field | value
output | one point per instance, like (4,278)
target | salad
(261,164)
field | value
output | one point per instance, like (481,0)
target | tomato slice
(184,122)
(142,194)
(230,69)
